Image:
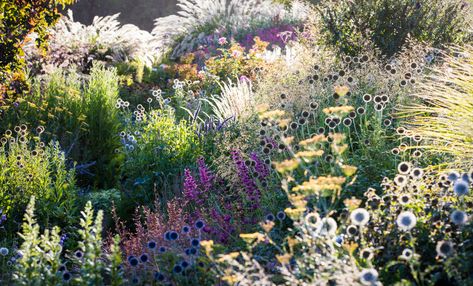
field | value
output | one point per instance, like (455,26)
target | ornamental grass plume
(444,114)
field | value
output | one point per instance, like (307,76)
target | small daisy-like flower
(400,180)
(417,173)
(404,199)
(460,188)
(366,253)
(404,168)
(407,254)
(162,249)
(368,276)
(444,248)
(360,217)
(184,264)
(79,254)
(312,219)
(186,229)
(352,230)
(406,221)
(327,226)
(459,217)
(62,268)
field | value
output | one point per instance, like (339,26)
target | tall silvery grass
(443,116)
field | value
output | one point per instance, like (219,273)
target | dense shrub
(157,147)
(18,20)
(390,23)
(29,167)
(82,117)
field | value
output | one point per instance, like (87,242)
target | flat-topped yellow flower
(273,114)
(253,237)
(309,156)
(267,225)
(315,186)
(284,259)
(228,257)
(339,110)
(286,165)
(349,170)
(313,140)
(207,245)
(294,214)
(341,90)
(230,279)
(298,201)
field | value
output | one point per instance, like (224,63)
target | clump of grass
(444,114)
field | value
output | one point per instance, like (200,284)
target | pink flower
(222,41)
(236,53)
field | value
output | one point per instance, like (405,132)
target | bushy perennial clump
(31,167)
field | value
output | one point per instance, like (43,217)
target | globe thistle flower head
(144,258)
(444,248)
(4,251)
(360,217)
(461,188)
(368,277)
(459,217)
(152,244)
(406,221)
(327,227)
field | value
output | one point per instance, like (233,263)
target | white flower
(360,217)
(444,248)
(459,217)
(406,221)
(327,226)
(407,254)
(460,188)
(368,276)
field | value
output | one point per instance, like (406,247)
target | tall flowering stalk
(250,187)
(191,190)
(206,176)
(260,167)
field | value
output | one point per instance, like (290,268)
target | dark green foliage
(390,23)
(19,18)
